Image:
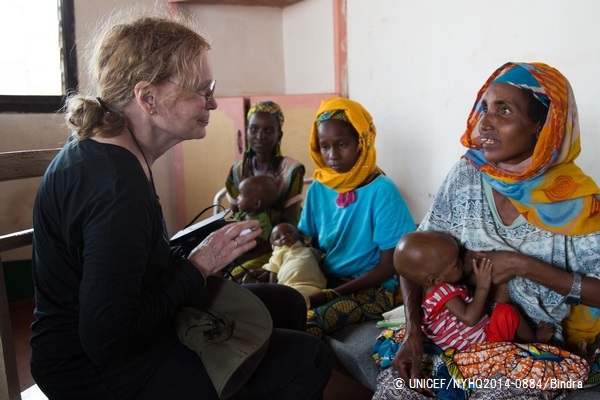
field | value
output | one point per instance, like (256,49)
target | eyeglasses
(208,93)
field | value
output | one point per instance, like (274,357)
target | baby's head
(284,234)
(428,258)
(257,194)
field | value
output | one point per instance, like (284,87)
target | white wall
(308,47)
(270,50)
(247,47)
(417,66)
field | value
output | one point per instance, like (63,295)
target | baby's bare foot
(544,332)
(582,349)
(587,350)
(593,347)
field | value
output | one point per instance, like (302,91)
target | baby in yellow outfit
(293,263)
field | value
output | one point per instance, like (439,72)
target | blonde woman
(107,287)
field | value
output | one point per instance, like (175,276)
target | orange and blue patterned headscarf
(355,114)
(551,192)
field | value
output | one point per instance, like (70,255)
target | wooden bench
(16,165)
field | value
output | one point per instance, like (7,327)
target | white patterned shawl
(461,208)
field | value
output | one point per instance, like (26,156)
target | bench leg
(9,378)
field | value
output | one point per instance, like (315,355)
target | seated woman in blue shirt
(355,215)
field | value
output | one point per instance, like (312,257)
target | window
(38,66)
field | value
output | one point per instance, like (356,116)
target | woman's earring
(152,112)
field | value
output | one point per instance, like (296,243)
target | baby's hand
(483,272)
(468,257)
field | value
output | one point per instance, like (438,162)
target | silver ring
(236,243)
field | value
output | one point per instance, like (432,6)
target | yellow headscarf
(366,163)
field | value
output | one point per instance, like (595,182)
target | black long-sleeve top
(106,288)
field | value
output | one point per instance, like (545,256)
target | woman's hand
(409,356)
(223,246)
(373,278)
(317,299)
(507,265)
(407,360)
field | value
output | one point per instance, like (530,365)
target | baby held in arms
(293,263)
(256,195)
(454,318)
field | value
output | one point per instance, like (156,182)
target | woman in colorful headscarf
(518,198)
(263,157)
(355,215)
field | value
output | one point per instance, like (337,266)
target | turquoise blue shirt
(353,237)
